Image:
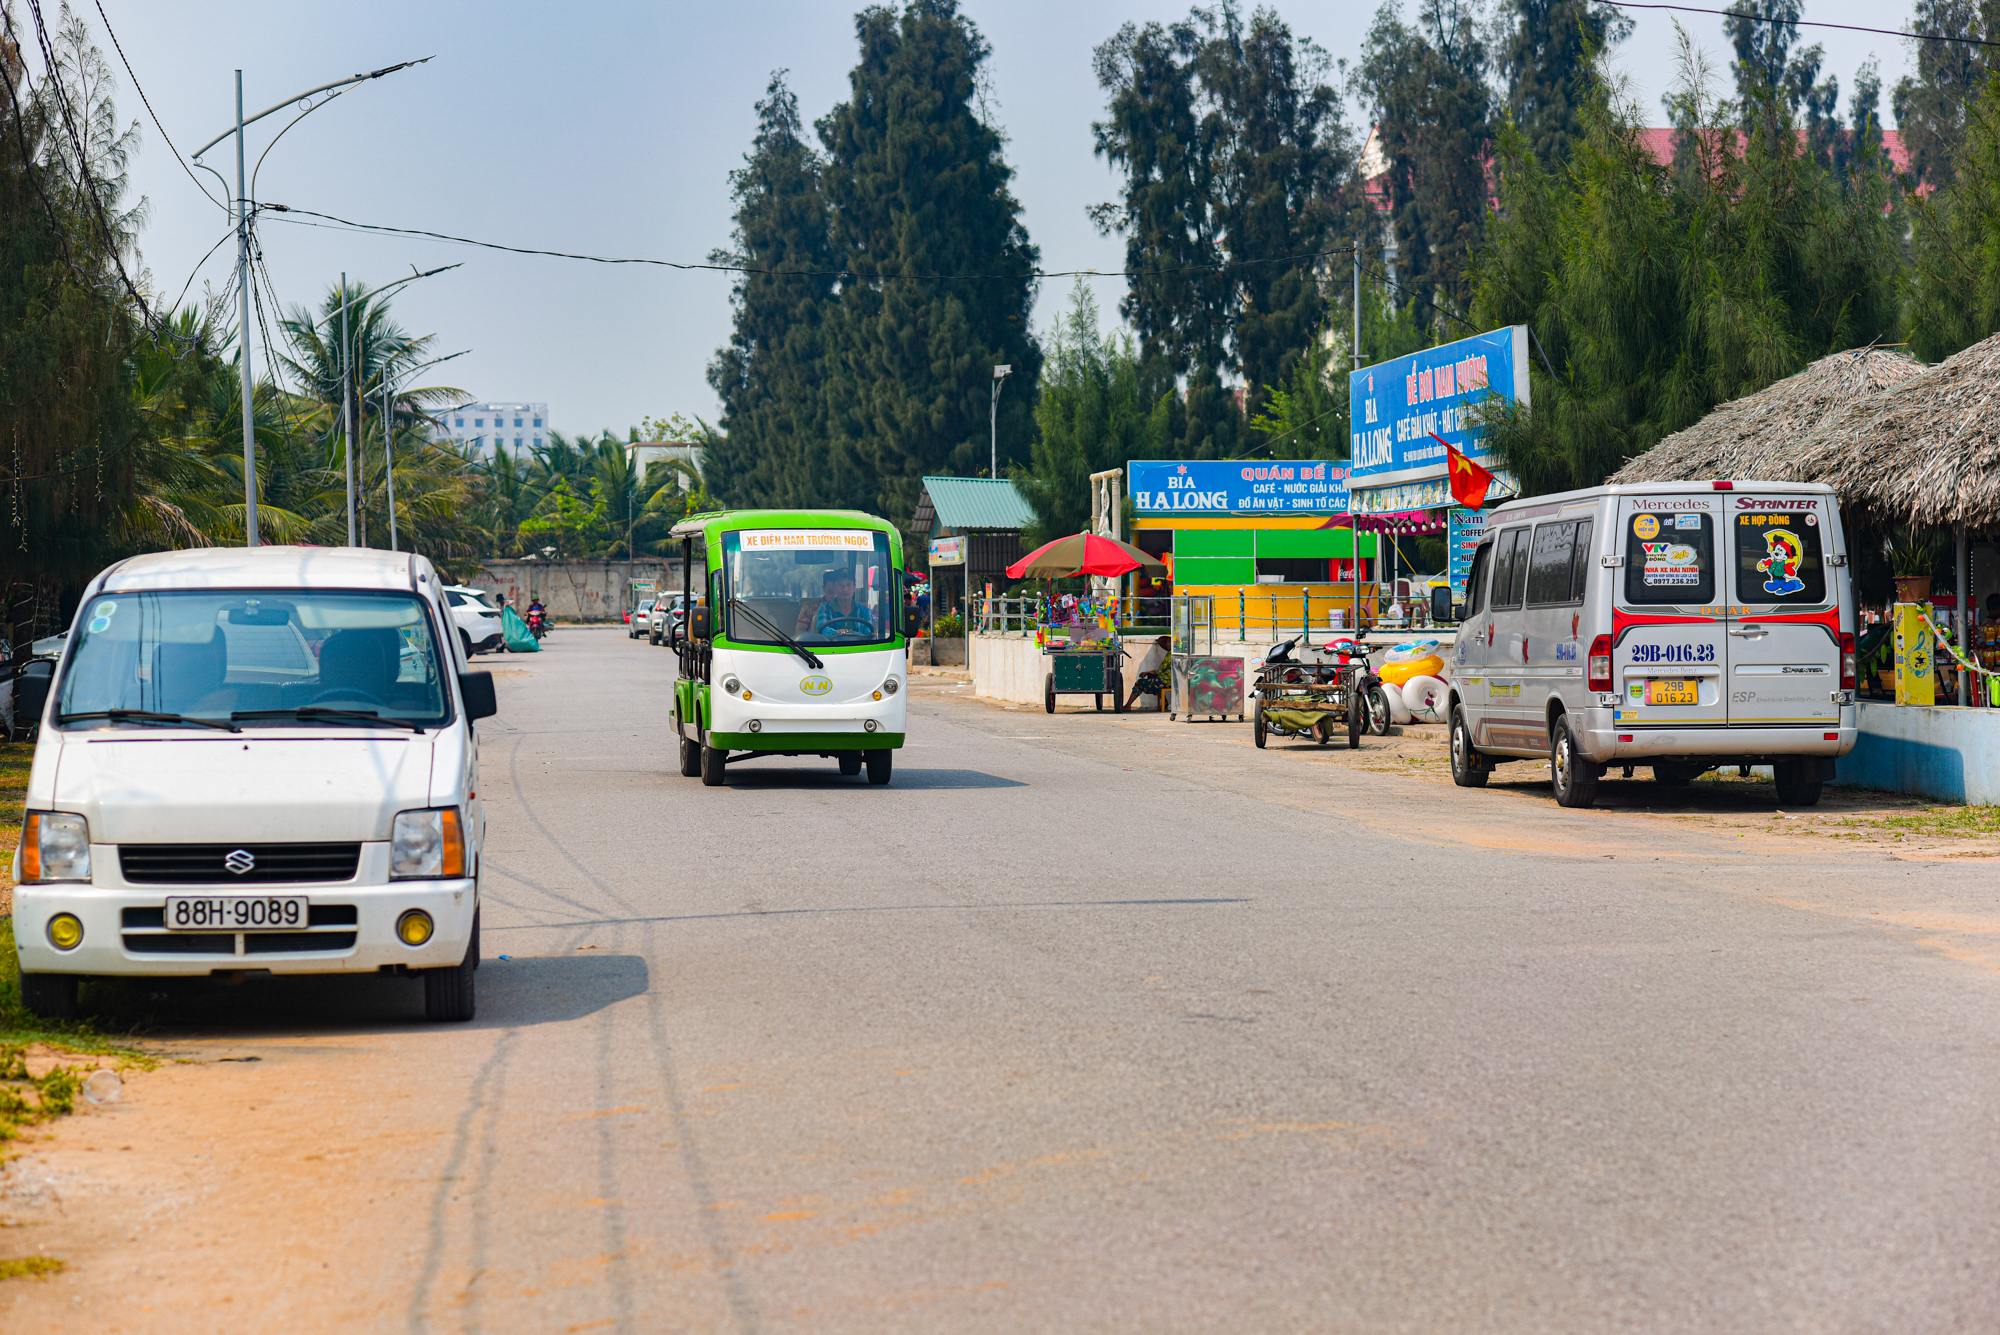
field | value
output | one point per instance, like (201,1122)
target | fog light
(414,928)
(746,695)
(755,725)
(65,932)
(878,695)
(869,724)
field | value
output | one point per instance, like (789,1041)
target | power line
(138,88)
(794,273)
(1807,23)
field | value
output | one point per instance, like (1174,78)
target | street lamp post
(242,212)
(1000,374)
(389,437)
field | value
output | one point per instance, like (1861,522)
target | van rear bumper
(1599,740)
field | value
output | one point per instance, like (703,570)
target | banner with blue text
(1401,409)
(1233,486)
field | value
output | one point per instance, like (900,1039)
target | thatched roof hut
(1764,435)
(1923,453)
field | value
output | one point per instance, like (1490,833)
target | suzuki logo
(240,861)
(816,685)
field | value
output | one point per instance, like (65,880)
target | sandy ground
(249,1171)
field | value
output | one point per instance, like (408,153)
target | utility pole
(347,410)
(243,327)
(389,456)
(1357,306)
(1000,374)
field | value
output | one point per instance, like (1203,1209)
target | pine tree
(1954,292)
(773,448)
(918,188)
(1548,47)
(1426,85)
(1931,107)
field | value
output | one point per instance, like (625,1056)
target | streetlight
(347,380)
(1000,373)
(243,260)
(389,434)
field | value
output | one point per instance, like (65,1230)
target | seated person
(836,608)
(1149,681)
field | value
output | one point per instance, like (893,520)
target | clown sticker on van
(1786,553)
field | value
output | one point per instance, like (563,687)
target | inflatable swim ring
(1425,698)
(1418,658)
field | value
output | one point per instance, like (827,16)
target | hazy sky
(609,127)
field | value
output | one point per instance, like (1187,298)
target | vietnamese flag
(1469,482)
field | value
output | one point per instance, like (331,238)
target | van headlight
(55,846)
(426,845)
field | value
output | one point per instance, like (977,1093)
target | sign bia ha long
(1236,486)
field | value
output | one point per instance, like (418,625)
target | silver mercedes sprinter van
(1682,626)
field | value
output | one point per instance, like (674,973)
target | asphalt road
(1092,1024)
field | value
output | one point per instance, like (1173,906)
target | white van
(1681,626)
(256,761)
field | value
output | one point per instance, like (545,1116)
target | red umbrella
(1083,554)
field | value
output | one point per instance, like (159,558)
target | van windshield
(217,654)
(819,586)
(1669,558)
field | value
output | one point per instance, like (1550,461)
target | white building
(518,426)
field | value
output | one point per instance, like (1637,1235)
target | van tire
(850,763)
(449,993)
(50,995)
(1794,788)
(1468,769)
(880,764)
(690,759)
(1573,778)
(712,767)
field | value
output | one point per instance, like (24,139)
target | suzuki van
(255,761)
(1681,626)
(794,640)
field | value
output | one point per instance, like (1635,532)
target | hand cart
(1315,700)
(1083,660)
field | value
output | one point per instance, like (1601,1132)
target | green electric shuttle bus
(794,640)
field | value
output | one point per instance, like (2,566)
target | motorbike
(1297,698)
(538,622)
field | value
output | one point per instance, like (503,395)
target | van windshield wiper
(322,714)
(146,716)
(812,660)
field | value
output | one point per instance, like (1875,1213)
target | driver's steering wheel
(862,624)
(350,693)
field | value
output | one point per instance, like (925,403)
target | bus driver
(837,610)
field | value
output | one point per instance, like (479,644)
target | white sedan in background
(477,619)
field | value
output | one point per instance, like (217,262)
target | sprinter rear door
(1784,631)
(1669,628)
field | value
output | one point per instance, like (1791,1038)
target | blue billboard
(1403,411)
(1236,486)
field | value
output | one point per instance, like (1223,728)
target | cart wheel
(1323,729)
(1257,724)
(1049,694)
(1353,721)
(1117,692)
(1100,703)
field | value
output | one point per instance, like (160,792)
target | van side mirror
(699,627)
(477,688)
(1442,610)
(31,691)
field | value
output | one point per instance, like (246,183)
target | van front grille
(210,864)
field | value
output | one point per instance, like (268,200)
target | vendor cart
(1083,660)
(1206,685)
(1310,699)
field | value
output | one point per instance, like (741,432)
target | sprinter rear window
(1778,559)
(1669,558)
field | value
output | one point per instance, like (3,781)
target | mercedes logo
(239,861)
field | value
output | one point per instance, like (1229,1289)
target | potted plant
(1913,555)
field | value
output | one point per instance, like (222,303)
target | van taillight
(1848,675)
(1599,670)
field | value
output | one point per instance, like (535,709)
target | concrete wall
(574,590)
(1943,752)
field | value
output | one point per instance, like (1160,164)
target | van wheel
(1468,769)
(712,774)
(879,764)
(1794,788)
(448,993)
(1257,724)
(850,763)
(50,995)
(690,759)
(1573,777)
